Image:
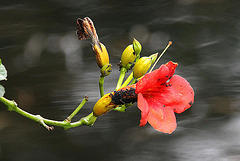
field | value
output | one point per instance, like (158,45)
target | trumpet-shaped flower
(160,94)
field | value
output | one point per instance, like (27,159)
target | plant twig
(85,99)
(47,123)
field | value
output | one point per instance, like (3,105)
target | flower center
(124,96)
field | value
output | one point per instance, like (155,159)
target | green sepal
(153,57)
(106,70)
(137,46)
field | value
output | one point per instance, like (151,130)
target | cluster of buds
(127,94)
(130,59)
(159,94)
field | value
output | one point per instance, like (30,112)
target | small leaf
(3,71)
(2,90)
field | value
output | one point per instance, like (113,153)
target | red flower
(160,94)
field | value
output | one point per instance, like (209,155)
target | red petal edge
(160,76)
(143,106)
(181,94)
(162,119)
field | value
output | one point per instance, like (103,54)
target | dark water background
(50,71)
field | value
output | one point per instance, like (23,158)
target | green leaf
(3,72)
(2,90)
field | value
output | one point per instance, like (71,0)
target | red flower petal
(180,93)
(162,118)
(159,76)
(177,93)
(143,106)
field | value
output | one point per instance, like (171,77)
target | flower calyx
(103,105)
(106,70)
(111,100)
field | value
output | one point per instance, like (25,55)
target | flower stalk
(85,99)
(128,80)
(101,82)
(123,71)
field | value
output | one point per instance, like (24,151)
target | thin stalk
(169,43)
(85,99)
(128,80)
(101,82)
(133,81)
(121,77)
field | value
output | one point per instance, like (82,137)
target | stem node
(41,122)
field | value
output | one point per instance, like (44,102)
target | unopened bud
(141,67)
(103,105)
(102,57)
(106,70)
(128,56)
(137,46)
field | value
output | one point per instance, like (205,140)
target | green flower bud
(137,46)
(141,67)
(101,53)
(153,57)
(128,56)
(106,70)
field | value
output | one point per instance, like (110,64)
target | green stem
(133,81)
(12,106)
(121,108)
(137,58)
(85,99)
(121,77)
(101,82)
(130,77)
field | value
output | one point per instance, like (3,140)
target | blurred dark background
(50,70)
